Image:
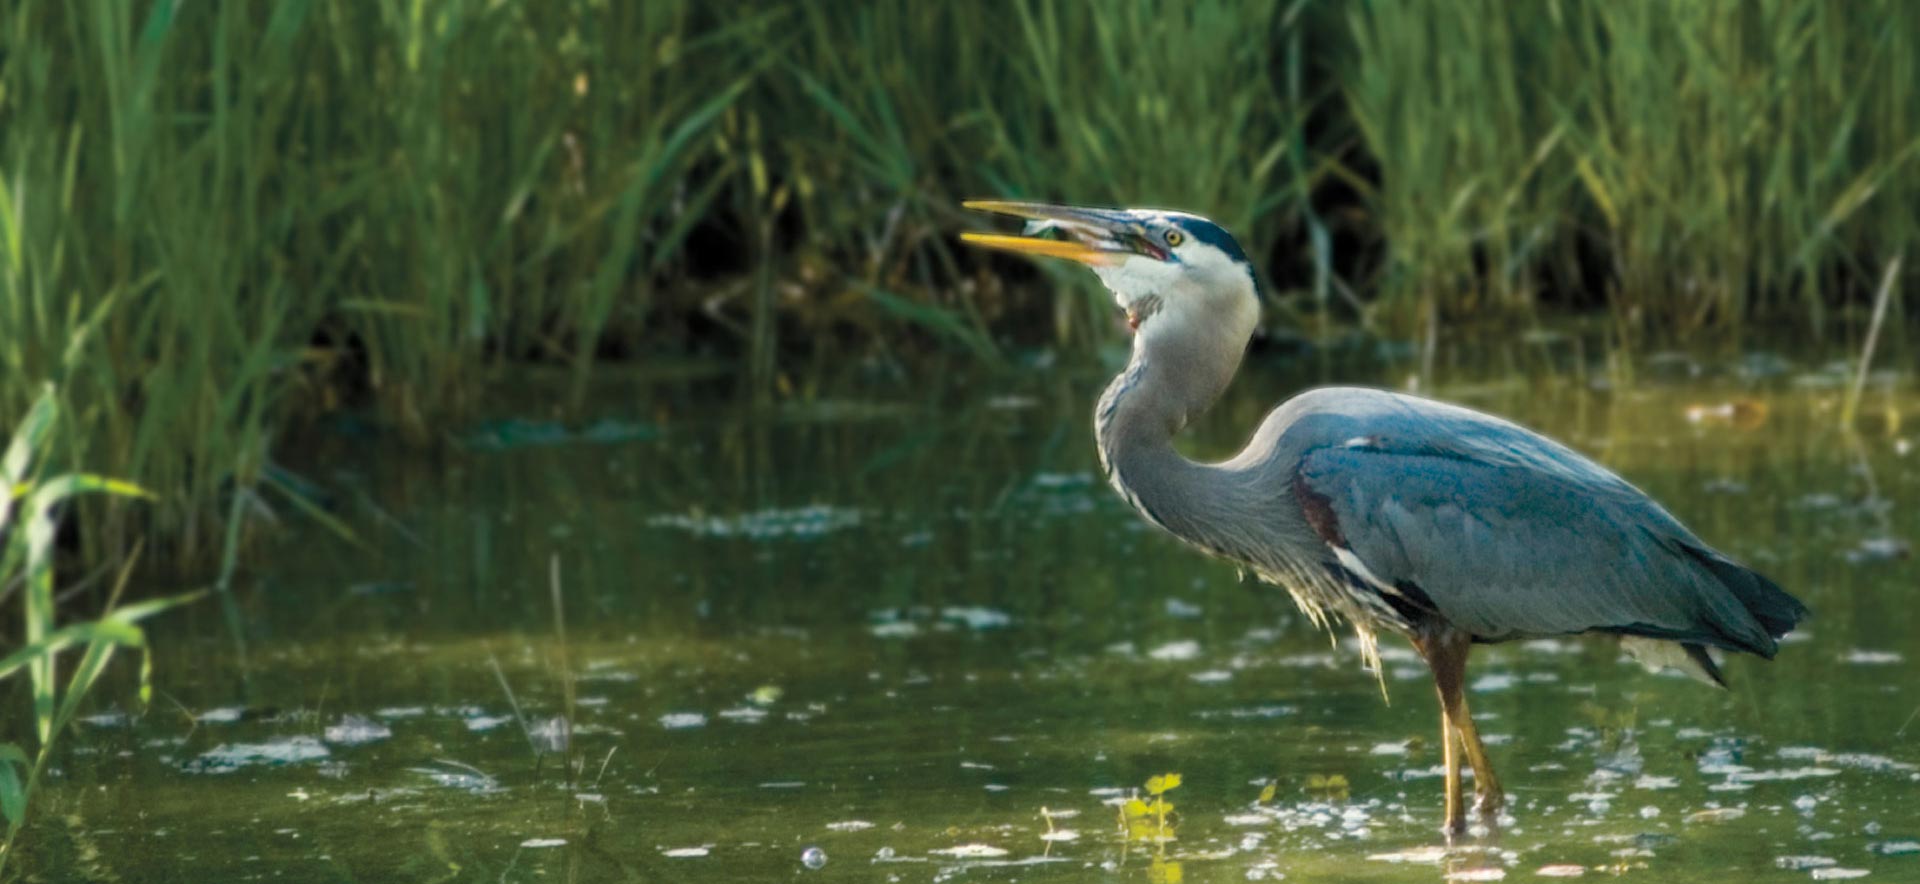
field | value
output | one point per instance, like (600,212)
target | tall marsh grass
(267,205)
(1702,163)
(269,210)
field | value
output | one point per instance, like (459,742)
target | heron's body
(1391,512)
(1406,515)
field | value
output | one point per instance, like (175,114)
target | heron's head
(1170,271)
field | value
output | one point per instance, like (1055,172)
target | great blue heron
(1392,512)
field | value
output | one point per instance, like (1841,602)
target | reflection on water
(880,640)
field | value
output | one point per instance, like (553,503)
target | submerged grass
(269,211)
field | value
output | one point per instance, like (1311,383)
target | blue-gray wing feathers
(1511,535)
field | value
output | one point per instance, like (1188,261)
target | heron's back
(1450,513)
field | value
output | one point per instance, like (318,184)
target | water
(926,640)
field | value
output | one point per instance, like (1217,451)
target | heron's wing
(1507,534)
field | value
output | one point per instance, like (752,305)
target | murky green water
(907,634)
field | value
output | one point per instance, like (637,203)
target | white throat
(1205,298)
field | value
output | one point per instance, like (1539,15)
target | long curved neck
(1167,384)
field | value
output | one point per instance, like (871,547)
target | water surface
(898,633)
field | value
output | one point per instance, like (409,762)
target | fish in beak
(1095,237)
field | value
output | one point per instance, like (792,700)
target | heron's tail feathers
(1775,610)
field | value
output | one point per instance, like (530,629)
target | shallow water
(875,639)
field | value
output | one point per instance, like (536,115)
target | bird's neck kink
(1135,423)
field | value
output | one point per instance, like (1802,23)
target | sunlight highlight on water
(934,647)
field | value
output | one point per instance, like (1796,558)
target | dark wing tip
(1777,611)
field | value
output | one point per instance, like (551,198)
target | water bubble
(813,858)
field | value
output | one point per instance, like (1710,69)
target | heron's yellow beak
(1094,236)
(1050,248)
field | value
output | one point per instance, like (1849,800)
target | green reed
(268,208)
(1715,161)
(275,210)
(30,499)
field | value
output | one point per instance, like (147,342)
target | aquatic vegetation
(1797,168)
(1329,787)
(682,720)
(230,757)
(971,851)
(1145,819)
(403,207)
(459,775)
(662,624)
(800,523)
(355,730)
(1176,651)
(1055,834)
(515,433)
(30,500)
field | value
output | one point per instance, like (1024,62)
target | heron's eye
(1175,238)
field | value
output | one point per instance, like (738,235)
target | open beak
(1092,236)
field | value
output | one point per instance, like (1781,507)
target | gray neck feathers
(1171,380)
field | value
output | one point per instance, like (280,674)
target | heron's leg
(1446,654)
(1446,651)
(1487,795)
(1450,750)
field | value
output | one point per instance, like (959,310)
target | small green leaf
(1267,793)
(99,654)
(28,437)
(146,678)
(13,793)
(1333,787)
(313,510)
(13,796)
(1163,783)
(117,627)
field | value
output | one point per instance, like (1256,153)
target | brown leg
(1446,655)
(1456,823)
(1488,798)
